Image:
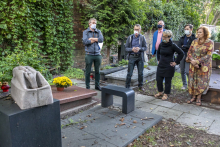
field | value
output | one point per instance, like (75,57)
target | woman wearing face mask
(166,66)
(200,53)
(184,43)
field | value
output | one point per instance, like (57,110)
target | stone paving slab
(101,127)
(210,113)
(144,98)
(195,121)
(145,106)
(188,108)
(163,103)
(81,138)
(215,128)
(167,113)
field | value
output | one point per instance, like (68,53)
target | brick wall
(79,52)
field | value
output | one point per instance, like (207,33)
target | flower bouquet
(62,82)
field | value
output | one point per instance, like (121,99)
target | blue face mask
(159,26)
(164,41)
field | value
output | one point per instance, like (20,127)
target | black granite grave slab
(35,127)
(104,127)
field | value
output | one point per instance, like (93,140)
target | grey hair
(138,25)
(92,19)
(168,33)
(162,21)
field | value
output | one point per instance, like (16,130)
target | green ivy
(116,19)
(22,58)
(45,26)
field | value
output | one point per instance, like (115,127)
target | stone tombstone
(29,88)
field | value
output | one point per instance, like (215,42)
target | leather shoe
(98,88)
(141,88)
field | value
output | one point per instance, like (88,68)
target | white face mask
(135,32)
(93,26)
(187,32)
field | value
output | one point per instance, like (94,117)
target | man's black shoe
(98,88)
(87,88)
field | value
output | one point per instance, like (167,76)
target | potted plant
(62,82)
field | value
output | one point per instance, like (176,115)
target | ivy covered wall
(44,26)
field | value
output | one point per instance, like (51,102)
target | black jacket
(142,42)
(185,48)
(165,55)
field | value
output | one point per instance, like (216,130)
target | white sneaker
(183,88)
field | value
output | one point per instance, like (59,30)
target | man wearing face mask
(184,43)
(135,46)
(157,37)
(91,37)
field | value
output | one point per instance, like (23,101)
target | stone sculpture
(29,88)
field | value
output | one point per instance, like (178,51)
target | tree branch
(207,17)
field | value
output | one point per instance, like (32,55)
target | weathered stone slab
(188,108)
(162,103)
(106,128)
(29,88)
(211,113)
(214,128)
(167,113)
(195,121)
(120,76)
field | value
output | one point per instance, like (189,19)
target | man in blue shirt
(135,46)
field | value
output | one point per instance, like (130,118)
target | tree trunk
(207,17)
(217,19)
(216,15)
(108,54)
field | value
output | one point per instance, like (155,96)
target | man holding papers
(93,41)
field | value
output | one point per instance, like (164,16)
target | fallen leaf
(122,124)
(135,121)
(116,126)
(133,127)
(89,115)
(122,119)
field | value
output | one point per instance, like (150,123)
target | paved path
(186,114)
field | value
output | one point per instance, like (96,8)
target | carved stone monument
(29,88)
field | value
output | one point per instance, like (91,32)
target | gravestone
(120,76)
(34,127)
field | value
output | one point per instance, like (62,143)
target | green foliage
(218,36)
(177,81)
(45,26)
(152,61)
(108,67)
(215,57)
(115,19)
(123,62)
(213,36)
(22,58)
(74,73)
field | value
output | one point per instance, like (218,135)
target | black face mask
(159,26)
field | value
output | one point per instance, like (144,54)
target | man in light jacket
(135,46)
(157,37)
(91,37)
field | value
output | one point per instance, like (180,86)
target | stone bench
(127,95)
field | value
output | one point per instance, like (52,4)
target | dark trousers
(97,62)
(135,60)
(167,84)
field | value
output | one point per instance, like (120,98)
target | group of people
(194,54)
